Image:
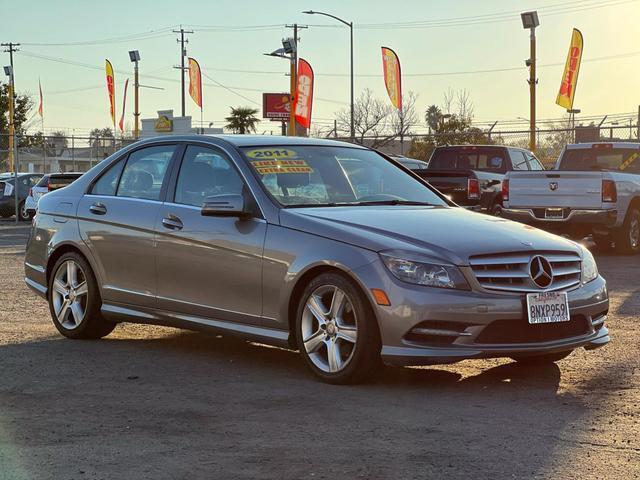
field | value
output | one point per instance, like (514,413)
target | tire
(23,215)
(80,302)
(545,359)
(339,344)
(627,238)
(496,210)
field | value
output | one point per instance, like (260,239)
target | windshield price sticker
(548,307)
(276,153)
(265,167)
(629,161)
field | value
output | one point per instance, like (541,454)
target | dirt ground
(158,403)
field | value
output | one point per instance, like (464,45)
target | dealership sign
(276,106)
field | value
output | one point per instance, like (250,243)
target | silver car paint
(295,242)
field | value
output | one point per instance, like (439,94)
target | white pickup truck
(594,188)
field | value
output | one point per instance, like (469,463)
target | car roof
(476,146)
(254,140)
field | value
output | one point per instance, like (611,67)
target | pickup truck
(472,175)
(593,189)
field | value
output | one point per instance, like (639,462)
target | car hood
(449,233)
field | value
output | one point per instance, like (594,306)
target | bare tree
(402,121)
(447,100)
(370,118)
(464,104)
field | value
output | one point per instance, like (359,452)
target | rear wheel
(337,331)
(496,210)
(627,238)
(74,299)
(541,359)
(23,215)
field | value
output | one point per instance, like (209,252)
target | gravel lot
(159,403)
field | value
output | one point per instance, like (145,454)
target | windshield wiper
(394,202)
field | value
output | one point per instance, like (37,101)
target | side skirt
(125,313)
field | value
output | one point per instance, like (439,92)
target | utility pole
(294,77)
(183,54)
(638,124)
(13,150)
(530,22)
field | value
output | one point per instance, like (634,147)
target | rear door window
(108,182)
(145,172)
(617,159)
(519,160)
(468,158)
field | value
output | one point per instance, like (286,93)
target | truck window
(519,160)
(618,159)
(468,158)
(534,163)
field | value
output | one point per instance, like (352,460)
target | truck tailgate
(449,182)
(555,189)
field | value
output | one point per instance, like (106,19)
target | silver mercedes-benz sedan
(316,245)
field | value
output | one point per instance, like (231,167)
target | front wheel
(541,359)
(23,213)
(74,299)
(627,238)
(337,332)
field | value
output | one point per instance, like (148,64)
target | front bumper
(30,205)
(571,217)
(477,324)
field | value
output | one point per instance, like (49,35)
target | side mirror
(224,206)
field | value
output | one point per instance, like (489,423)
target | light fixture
(8,71)
(289,45)
(134,55)
(530,19)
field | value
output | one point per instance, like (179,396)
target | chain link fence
(78,154)
(47,154)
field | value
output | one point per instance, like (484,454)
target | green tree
(242,120)
(433,117)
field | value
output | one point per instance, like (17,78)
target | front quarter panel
(289,254)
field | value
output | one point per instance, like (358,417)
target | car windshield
(300,176)
(620,159)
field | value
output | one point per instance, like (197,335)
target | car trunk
(578,190)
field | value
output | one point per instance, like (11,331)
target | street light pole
(134,56)
(530,21)
(352,102)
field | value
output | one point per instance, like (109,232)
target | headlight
(424,273)
(589,267)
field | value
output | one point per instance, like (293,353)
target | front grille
(437,332)
(511,273)
(521,331)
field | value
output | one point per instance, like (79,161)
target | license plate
(554,213)
(548,307)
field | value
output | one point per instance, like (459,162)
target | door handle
(98,208)
(172,222)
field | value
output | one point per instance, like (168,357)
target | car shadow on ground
(238,404)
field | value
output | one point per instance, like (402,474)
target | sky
(64,44)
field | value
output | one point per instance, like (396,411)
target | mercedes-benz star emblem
(553,186)
(541,272)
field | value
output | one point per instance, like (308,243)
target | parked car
(411,163)
(594,189)
(47,183)
(312,244)
(7,193)
(472,175)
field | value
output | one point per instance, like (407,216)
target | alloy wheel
(69,294)
(329,328)
(634,233)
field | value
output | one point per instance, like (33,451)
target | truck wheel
(627,238)
(496,210)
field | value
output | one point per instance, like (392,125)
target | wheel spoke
(313,343)
(72,274)
(59,287)
(76,310)
(82,289)
(62,313)
(348,334)
(337,303)
(333,356)
(314,306)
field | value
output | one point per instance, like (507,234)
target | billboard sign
(276,106)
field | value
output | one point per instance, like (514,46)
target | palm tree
(242,120)
(433,118)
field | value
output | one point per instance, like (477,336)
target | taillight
(505,190)
(31,192)
(609,192)
(473,189)
(49,189)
